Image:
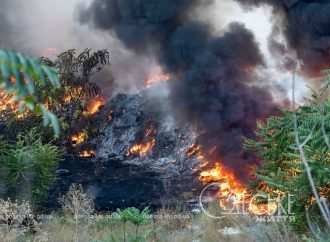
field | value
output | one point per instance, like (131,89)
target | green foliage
(28,167)
(75,71)
(20,76)
(68,102)
(136,217)
(282,169)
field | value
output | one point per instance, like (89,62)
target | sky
(48,27)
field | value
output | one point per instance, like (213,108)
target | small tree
(77,204)
(27,168)
(136,217)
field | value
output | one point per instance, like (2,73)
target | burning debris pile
(140,158)
(213,80)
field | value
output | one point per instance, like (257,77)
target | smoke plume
(47,28)
(213,82)
(305,25)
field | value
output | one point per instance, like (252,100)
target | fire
(155,78)
(8,104)
(267,209)
(219,173)
(87,153)
(231,190)
(79,138)
(144,148)
(94,106)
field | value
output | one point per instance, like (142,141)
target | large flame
(231,189)
(219,173)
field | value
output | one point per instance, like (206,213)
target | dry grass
(198,228)
(76,223)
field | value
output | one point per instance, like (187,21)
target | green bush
(282,169)
(136,217)
(28,167)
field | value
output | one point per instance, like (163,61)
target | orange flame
(8,104)
(79,138)
(155,78)
(87,153)
(219,173)
(231,189)
(94,106)
(144,148)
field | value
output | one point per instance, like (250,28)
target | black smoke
(305,24)
(213,84)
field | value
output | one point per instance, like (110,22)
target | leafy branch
(19,77)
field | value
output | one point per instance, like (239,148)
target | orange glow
(145,147)
(8,104)
(142,149)
(79,138)
(263,209)
(94,106)
(87,153)
(219,173)
(155,78)
(231,190)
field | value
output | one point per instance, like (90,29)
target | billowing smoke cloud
(305,25)
(214,83)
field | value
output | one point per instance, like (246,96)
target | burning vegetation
(9,106)
(230,191)
(145,147)
(79,138)
(87,153)
(94,106)
(7,103)
(142,149)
